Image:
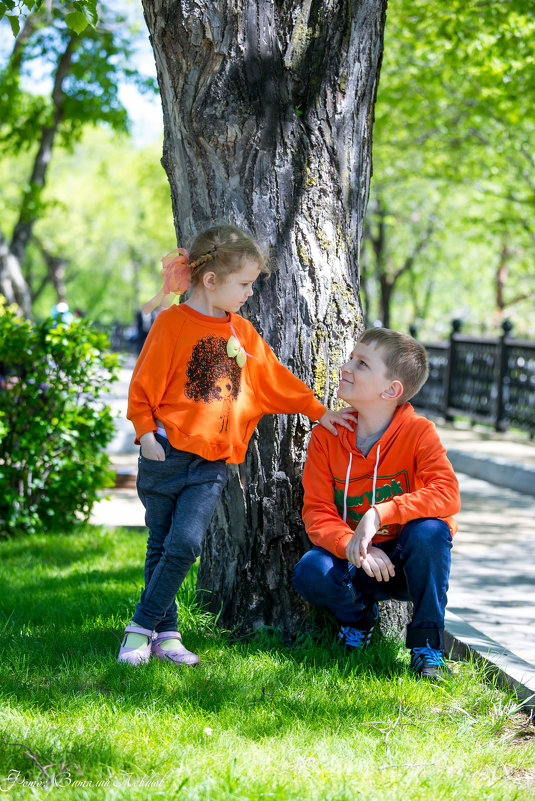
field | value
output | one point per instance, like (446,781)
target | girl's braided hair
(224,249)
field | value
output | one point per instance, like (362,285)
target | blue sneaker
(355,638)
(429,663)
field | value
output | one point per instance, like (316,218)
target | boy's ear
(394,391)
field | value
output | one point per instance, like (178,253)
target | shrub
(54,427)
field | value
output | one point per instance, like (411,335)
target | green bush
(54,427)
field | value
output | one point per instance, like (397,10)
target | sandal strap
(132,628)
(167,635)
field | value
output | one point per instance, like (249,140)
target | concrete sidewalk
(492,584)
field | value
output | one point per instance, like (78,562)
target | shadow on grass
(60,649)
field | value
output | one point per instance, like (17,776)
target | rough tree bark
(268,112)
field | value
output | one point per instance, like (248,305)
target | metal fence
(488,380)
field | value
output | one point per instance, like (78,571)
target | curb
(503,472)
(462,640)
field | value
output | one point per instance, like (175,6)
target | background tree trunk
(268,112)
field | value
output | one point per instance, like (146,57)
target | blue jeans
(421,555)
(179,496)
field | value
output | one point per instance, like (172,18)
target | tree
(268,113)
(453,116)
(83,71)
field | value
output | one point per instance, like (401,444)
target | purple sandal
(179,655)
(135,656)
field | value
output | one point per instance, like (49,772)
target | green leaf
(76,21)
(15,24)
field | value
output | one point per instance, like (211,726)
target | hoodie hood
(402,416)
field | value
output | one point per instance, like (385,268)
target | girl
(202,381)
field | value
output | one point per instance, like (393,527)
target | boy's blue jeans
(179,496)
(421,555)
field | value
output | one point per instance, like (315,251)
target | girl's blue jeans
(422,557)
(179,496)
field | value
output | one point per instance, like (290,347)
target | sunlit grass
(255,720)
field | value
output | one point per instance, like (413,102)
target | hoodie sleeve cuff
(342,544)
(314,410)
(142,425)
(387,512)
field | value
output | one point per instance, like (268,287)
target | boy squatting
(378,504)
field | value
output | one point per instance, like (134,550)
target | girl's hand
(345,417)
(151,448)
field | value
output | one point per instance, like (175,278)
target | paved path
(492,584)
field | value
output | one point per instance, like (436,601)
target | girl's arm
(278,390)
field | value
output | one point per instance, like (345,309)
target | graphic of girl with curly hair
(213,377)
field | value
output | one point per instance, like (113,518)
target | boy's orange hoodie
(209,404)
(408,469)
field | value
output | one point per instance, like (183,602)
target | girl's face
(230,293)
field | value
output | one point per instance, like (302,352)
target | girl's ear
(209,280)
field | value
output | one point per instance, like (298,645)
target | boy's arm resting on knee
(377,565)
(322,519)
(436,493)
(361,553)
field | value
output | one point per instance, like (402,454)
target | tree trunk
(268,111)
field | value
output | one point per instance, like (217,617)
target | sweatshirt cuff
(342,544)
(388,513)
(314,410)
(142,425)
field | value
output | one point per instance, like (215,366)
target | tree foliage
(78,13)
(54,427)
(454,139)
(77,77)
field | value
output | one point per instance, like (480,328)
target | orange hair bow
(176,273)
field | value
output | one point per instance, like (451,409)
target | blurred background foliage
(450,227)
(451,224)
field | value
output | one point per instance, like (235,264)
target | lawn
(256,720)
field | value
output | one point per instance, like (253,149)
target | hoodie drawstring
(374,485)
(346,486)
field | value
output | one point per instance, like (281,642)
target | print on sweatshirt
(387,487)
(213,377)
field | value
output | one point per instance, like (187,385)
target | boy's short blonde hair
(224,249)
(405,359)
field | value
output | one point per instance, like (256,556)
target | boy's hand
(151,448)
(375,562)
(344,417)
(378,565)
(357,547)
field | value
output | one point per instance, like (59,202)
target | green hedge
(54,427)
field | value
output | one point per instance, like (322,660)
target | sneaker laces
(430,656)
(353,637)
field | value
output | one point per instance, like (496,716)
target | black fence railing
(487,380)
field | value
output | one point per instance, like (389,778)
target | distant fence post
(456,326)
(499,424)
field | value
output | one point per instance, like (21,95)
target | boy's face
(363,378)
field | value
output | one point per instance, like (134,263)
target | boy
(378,504)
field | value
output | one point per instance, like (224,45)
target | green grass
(255,721)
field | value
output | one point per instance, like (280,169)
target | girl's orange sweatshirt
(413,479)
(208,404)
